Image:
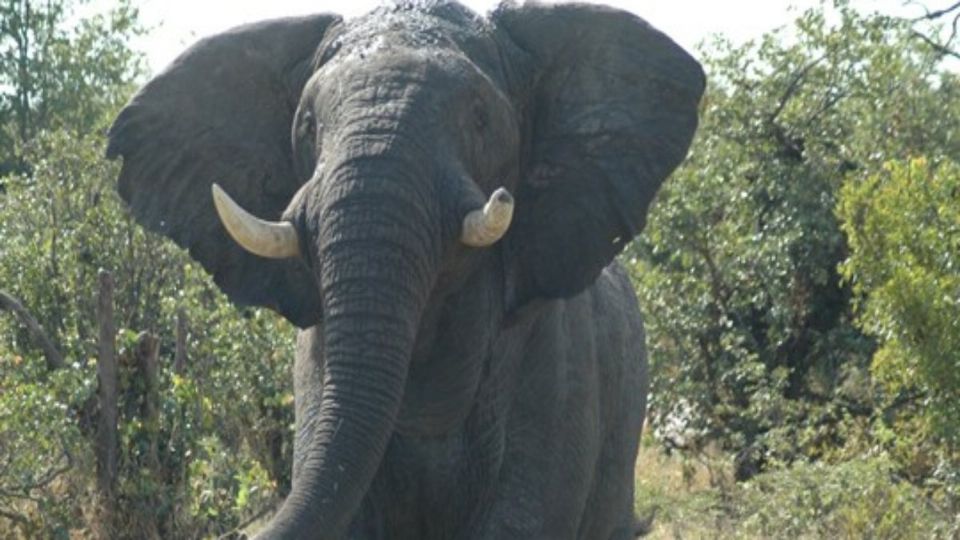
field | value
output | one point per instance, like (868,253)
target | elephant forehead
(399,76)
(367,35)
(419,23)
(428,26)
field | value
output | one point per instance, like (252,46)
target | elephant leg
(611,503)
(574,422)
(610,507)
(367,524)
(552,434)
(625,380)
(542,487)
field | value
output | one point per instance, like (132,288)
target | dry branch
(50,352)
(930,15)
(941,46)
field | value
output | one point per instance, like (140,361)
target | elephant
(436,200)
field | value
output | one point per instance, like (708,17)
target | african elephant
(448,194)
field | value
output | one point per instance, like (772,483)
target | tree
(62,81)
(903,226)
(54,76)
(752,333)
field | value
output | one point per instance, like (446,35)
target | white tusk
(483,227)
(274,240)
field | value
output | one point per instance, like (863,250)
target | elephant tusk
(483,227)
(274,240)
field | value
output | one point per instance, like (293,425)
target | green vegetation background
(800,276)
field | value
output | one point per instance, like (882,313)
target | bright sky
(178,23)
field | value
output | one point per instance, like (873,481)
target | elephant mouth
(481,227)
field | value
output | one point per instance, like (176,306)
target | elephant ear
(609,108)
(222,112)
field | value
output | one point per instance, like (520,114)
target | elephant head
(384,151)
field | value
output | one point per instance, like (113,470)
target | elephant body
(540,442)
(448,194)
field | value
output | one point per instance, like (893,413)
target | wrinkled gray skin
(441,391)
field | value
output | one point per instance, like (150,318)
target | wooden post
(148,348)
(147,353)
(106,442)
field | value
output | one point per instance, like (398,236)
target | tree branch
(793,87)
(931,15)
(238,530)
(48,477)
(53,356)
(940,48)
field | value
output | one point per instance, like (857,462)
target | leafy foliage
(41,447)
(218,463)
(54,75)
(219,448)
(903,224)
(752,329)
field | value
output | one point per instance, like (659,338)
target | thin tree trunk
(180,357)
(106,441)
(50,352)
(25,87)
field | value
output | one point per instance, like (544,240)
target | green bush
(903,227)
(752,329)
(217,465)
(855,499)
(219,448)
(860,498)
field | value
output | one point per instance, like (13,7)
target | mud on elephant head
(395,156)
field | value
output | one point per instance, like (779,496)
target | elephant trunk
(378,262)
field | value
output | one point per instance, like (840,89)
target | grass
(683,496)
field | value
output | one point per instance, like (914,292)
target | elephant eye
(480,119)
(306,144)
(309,126)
